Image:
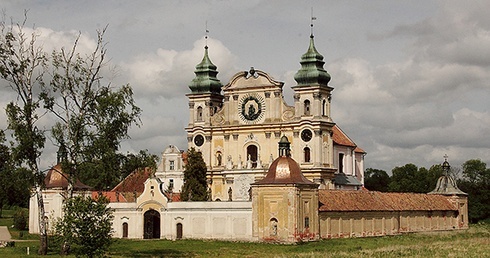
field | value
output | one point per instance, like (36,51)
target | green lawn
(474,242)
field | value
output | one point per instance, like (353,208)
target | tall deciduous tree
(410,178)
(195,184)
(22,66)
(92,115)
(476,183)
(107,173)
(376,180)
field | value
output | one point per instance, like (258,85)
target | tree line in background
(64,97)
(472,178)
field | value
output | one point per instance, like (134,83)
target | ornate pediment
(254,79)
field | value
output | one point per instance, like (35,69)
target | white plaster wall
(208,220)
(127,212)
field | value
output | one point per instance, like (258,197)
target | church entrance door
(152,224)
(252,154)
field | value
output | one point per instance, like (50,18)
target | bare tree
(23,66)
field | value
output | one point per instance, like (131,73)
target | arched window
(273,225)
(252,154)
(199,114)
(125,230)
(307,154)
(324,107)
(179,230)
(307,108)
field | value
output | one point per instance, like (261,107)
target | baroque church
(275,172)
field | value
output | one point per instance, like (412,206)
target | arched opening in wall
(125,230)
(152,224)
(341,162)
(273,227)
(219,158)
(324,107)
(199,113)
(307,107)
(307,154)
(179,230)
(252,153)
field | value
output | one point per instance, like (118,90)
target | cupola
(446,185)
(311,71)
(205,80)
(284,170)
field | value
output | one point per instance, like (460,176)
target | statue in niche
(218,158)
(230,194)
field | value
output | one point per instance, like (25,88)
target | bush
(20,219)
(86,226)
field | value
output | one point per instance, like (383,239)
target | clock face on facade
(306,135)
(251,108)
(198,140)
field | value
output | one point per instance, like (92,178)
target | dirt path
(5,234)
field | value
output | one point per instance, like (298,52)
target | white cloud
(167,73)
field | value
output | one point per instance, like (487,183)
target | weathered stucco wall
(364,224)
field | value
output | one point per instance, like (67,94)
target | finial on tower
(445,166)
(206,35)
(311,23)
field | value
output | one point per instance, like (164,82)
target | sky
(411,79)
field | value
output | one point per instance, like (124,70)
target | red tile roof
(359,150)
(111,196)
(337,200)
(134,181)
(56,178)
(340,138)
(173,197)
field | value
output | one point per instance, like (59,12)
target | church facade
(309,187)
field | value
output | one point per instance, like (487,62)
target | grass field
(474,242)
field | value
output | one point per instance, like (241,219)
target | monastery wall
(380,223)
(208,220)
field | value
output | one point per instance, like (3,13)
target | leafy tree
(376,180)
(143,159)
(107,173)
(195,184)
(410,178)
(22,66)
(86,225)
(92,116)
(476,183)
